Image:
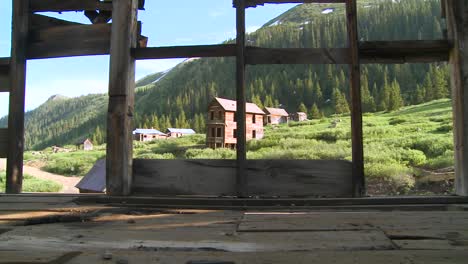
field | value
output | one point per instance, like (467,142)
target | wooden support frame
(14,180)
(356,106)
(255,3)
(68,5)
(241,146)
(71,40)
(457,21)
(121,98)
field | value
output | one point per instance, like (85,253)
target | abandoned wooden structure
(86,144)
(275,116)
(144,135)
(221,123)
(179,132)
(38,37)
(299,116)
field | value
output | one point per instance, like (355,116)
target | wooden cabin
(179,132)
(221,124)
(299,116)
(275,116)
(143,135)
(86,143)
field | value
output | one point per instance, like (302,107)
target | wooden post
(19,39)
(241,179)
(121,97)
(457,21)
(356,108)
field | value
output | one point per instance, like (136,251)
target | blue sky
(187,22)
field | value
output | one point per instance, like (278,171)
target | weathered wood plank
(4,74)
(256,55)
(418,51)
(64,41)
(121,98)
(3,142)
(69,5)
(432,222)
(369,51)
(265,178)
(356,103)
(226,50)
(191,257)
(20,23)
(241,149)
(457,19)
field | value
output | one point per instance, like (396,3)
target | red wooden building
(221,124)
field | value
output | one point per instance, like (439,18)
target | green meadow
(399,146)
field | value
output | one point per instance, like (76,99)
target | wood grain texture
(3,142)
(4,74)
(121,98)
(359,184)
(265,177)
(68,5)
(225,50)
(72,40)
(241,149)
(457,19)
(19,43)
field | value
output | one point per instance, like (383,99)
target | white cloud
(216,13)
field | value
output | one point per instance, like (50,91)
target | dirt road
(68,183)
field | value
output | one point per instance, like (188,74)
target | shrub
(445,128)
(413,157)
(396,121)
(333,135)
(433,146)
(208,153)
(155,156)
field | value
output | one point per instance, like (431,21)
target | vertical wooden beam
(241,175)
(356,108)
(457,23)
(19,39)
(121,97)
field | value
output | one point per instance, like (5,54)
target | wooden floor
(56,229)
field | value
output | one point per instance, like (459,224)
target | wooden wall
(269,178)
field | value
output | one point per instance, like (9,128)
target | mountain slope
(180,98)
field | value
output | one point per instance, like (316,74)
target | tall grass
(32,184)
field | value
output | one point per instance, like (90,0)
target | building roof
(147,131)
(95,179)
(276,111)
(186,131)
(231,105)
(81,141)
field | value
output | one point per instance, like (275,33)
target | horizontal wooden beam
(66,41)
(296,56)
(3,142)
(386,52)
(409,51)
(68,5)
(227,50)
(254,3)
(289,178)
(4,74)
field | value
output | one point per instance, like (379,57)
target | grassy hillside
(399,146)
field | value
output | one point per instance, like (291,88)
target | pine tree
(340,105)
(315,112)
(368,103)
(302,108)
(395,101)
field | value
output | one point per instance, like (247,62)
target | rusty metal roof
(231,105)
